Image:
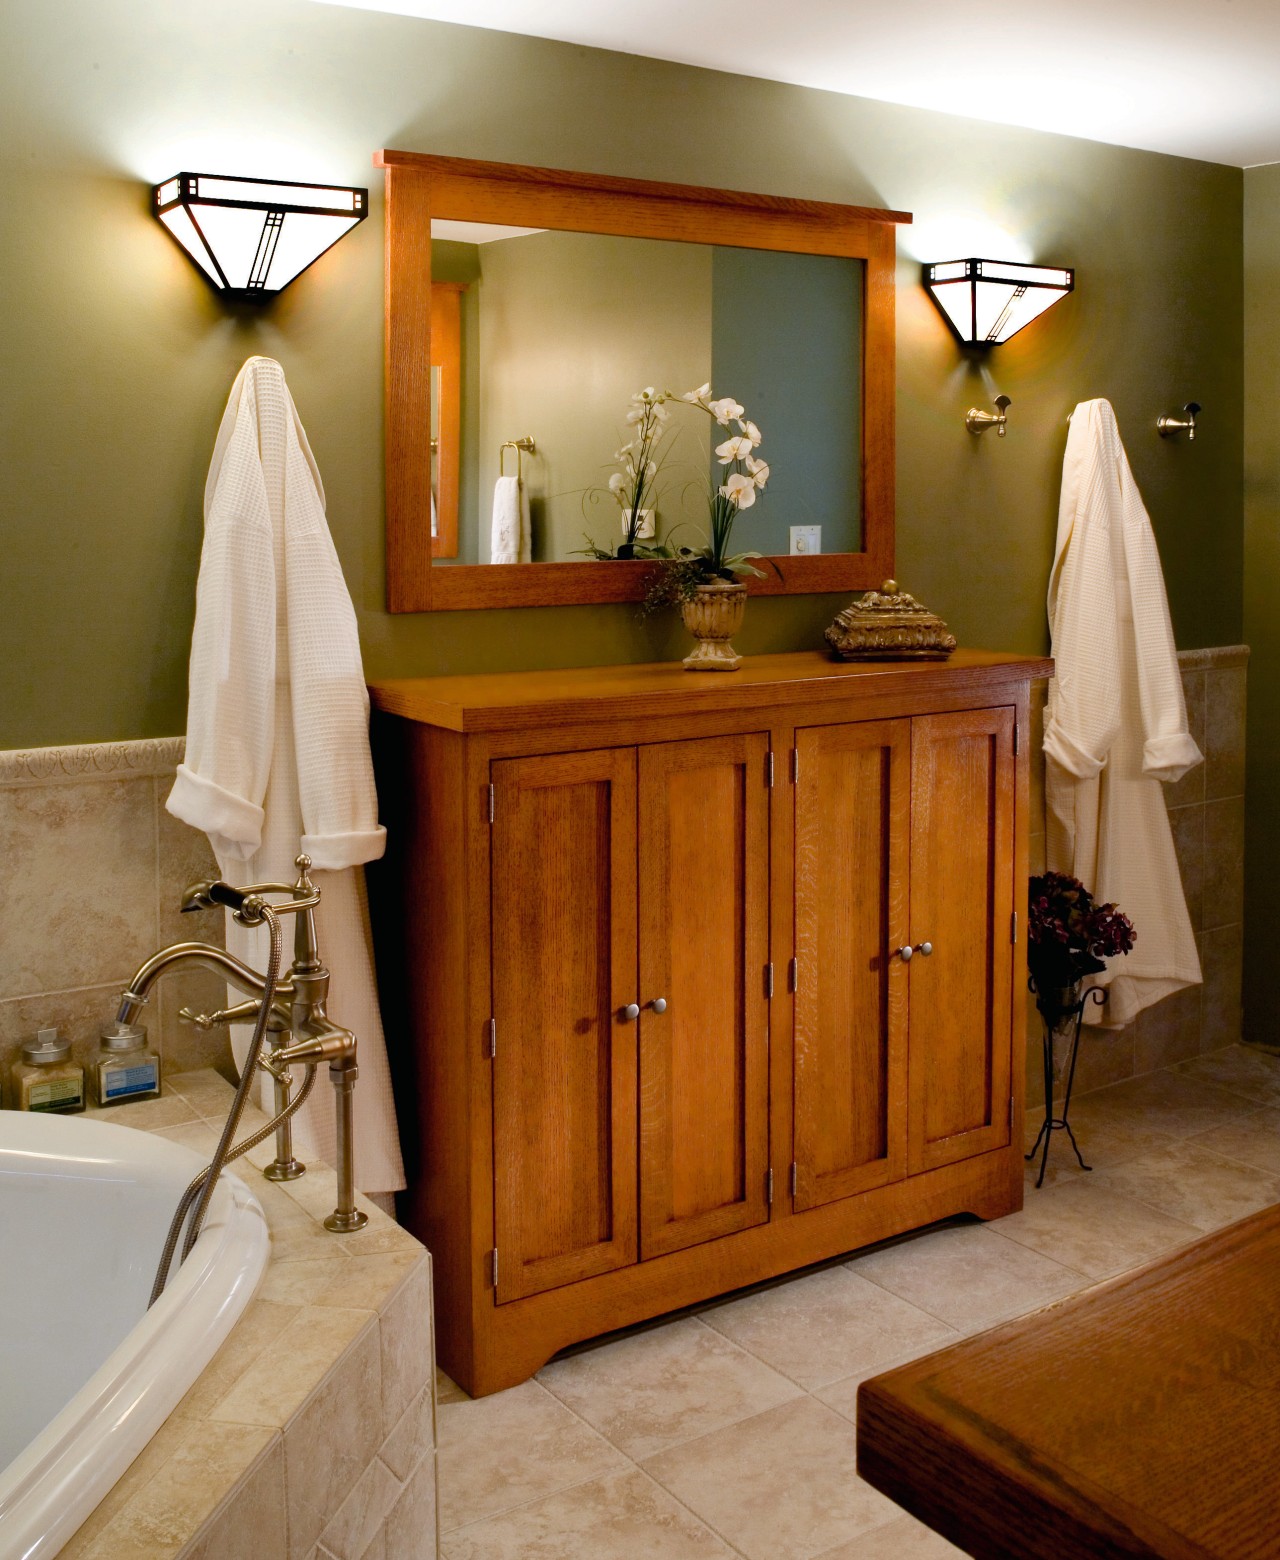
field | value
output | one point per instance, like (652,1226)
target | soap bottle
(46,1079)
(127,1068)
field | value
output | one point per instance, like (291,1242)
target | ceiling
(1197,78)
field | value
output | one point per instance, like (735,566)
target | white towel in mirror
(511,540)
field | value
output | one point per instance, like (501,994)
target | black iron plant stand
(1055,1016)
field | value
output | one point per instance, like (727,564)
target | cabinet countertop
(499,701)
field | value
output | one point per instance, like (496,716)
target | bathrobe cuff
(234,825)
(1169,758)
(336,852)
(1072,757)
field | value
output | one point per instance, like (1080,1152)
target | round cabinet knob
(906,954)
(631,1011)
(659,1004)
(925,948)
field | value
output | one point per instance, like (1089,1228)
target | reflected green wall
(118,358)
(1262,591)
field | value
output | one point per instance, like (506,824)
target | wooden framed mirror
(786,305)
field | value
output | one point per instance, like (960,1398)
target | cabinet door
(564,968)
(704,943)
(962,788)
(852,825)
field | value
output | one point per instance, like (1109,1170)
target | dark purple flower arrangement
(1069,937)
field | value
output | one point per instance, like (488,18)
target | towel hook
(978,422)
(526,444)
(1170,427)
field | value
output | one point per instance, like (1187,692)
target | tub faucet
(296,1022)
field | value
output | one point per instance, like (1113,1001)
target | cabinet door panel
(564,967)
(852,825)
(962,903)
(704,942)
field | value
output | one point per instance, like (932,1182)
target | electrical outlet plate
(646,530)
(806,539)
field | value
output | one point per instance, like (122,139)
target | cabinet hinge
(795,766)
(493,1037)
(794,1173)
(1015,739)
(768,770)
(793,975)
(768,980)
(490,804)
(493,1265)
(1013,928)
(768,1187)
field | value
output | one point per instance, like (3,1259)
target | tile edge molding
(136,760)
(1213,656)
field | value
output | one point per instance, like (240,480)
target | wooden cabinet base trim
(512,1341)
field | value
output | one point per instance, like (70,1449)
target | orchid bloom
(759,470)
(616,483)
(724,411)
(737,448)
(698,397)
(740,491)
(750,431)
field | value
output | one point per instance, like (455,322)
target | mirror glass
(556,331)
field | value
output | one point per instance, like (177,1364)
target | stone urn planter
(713,615)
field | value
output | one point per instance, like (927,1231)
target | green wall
(1262,589)
(118,358)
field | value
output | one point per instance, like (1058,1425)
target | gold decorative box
(889,625)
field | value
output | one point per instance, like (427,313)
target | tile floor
(729,1432)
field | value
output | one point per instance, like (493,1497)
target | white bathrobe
(277,755)
(1116,721)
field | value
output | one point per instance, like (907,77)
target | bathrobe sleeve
(231,702)
(1083,715)
(1169,750)
(336,788)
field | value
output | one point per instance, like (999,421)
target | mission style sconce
(987,301)
(251,237)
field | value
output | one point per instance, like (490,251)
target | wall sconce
(987,301)
(251,237)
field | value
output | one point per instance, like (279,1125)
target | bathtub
(87,1373)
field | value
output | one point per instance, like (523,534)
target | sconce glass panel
(987,301)
(252,237)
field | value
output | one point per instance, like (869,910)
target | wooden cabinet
(689,981)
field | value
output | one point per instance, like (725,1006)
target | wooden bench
(1139,1418)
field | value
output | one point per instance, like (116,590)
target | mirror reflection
(543,337)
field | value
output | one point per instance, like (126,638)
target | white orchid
(759,470)
(740,491)
(616,484)
(698,397)
(737,448)
(750,431)
(724,411)
(633,486)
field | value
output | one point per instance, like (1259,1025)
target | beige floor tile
(1252,1074)
(1170,1102)
(1254,1139)
(623,1517)
(448,1391)
(905,1539)
(1195,1185)
(1086,1227)
(780,1486)
(967,1275)
(668,1384)
(843,1395)
(512,1448)
(823,1326)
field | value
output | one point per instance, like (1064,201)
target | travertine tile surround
(311,1433)
(1206,812)
(729,1431)
(94,868)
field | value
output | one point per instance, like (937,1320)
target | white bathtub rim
(52,1486)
